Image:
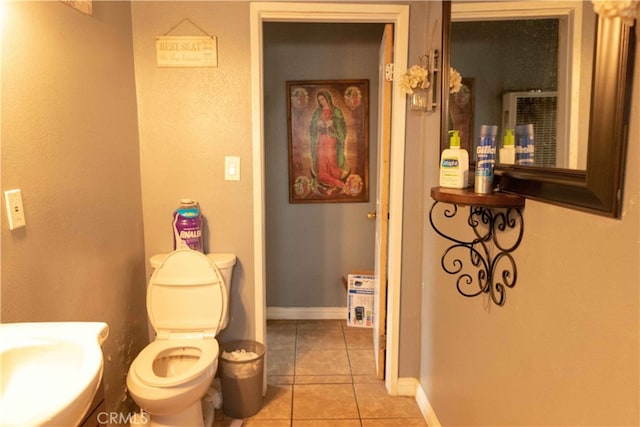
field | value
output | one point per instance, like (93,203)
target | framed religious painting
(461,112)
(328,132)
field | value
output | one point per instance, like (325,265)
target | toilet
(187,304)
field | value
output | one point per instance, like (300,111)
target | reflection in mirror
(597,186)
(524,63)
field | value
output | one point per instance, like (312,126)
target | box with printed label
(360,300)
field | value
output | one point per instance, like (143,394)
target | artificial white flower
(455,81)
(416,76)
(628,10)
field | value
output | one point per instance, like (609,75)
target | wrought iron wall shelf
(496,221)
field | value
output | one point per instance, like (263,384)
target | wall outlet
(15,211)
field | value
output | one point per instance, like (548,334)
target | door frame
(346,13)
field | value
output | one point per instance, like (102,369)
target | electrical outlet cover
(15,210)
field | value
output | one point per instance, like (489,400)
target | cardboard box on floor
(360,298)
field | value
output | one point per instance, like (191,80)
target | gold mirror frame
(598,189)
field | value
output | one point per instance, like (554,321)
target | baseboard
(306,313)
(407,386)
(427,410)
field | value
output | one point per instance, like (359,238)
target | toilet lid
(186,296)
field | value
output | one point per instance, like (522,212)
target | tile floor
(321,373)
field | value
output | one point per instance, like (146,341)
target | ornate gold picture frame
(328,132)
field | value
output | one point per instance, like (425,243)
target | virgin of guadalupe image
(328,131)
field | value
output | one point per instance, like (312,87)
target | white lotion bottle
(508,150)
(454,164)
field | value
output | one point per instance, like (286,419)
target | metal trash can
(241,377)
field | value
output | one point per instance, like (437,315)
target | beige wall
(189,120)
(563,350)
(70,143)
(422,130)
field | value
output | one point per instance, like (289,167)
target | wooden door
(382,199)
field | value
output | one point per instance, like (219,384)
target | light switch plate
(232,168)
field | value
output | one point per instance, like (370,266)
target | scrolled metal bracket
(494,272)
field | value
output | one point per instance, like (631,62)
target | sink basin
(49,371)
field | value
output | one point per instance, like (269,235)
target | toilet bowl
(187,307)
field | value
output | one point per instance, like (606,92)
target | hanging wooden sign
(186,51)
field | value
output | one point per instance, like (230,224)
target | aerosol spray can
(187,226)
(485,159)
(525,148)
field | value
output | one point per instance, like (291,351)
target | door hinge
(383,342)
(388,72)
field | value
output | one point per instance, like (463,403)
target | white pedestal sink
(49,371)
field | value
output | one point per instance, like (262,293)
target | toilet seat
(208,350)
(186,303)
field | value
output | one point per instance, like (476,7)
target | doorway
(311,246)
(346,13)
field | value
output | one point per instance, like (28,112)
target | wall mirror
(544,63)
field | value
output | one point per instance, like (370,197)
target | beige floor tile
(323,379)
(323,339)
(326,423)
(224,421)
(321,362)
(279,379)
(281,324)
(266,423)
(280,362)
(319,324)
(324,402)
(281,339)
(277,403)
(375,402)
(361,379)
(359,338)
(221,420)
(321,373)
(362,362)
(394,422)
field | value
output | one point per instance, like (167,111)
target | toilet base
(191,416)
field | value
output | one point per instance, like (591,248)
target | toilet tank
(223,261)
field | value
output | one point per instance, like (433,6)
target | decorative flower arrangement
(455,80)
(417,77)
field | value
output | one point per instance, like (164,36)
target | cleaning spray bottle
(454,163)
